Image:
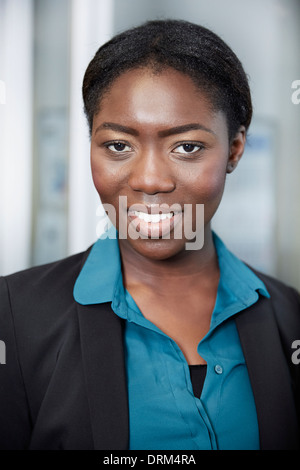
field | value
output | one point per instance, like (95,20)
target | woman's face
(156,142)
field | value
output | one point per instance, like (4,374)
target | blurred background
(48,205)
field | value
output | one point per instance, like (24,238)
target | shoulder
(49,271)
(280,291)
(37,306)
(58,277)
(285,303)
(38,297)
(38,320)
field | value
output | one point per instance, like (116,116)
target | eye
(118,147)
(188,147)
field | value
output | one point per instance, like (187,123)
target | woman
(144,342)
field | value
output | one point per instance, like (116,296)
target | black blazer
(64,383)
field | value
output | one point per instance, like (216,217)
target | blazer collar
(101,273)
(266,362)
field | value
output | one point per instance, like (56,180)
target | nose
(151,174)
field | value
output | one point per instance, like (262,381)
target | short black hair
(186,47)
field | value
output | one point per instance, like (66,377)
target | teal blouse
(164,413)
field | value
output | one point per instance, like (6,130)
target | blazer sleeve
(286,305)
(15,423)
(289,327)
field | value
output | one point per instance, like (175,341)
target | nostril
(150,185)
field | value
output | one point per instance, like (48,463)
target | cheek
(208,187)
(106,181)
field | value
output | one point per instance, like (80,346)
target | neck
(185,268)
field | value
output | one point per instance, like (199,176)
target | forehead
(145,96)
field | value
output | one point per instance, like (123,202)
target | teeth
(153,218)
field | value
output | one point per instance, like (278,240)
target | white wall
(91,27)
(15,134)
(50,129)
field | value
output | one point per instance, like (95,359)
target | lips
(154,221)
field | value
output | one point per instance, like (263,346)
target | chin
(158,249)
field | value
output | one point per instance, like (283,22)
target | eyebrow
(117,127)
(185,128)
(165,133)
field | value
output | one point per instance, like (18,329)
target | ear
(236,149)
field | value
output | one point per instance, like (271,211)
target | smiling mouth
(155,225)
(152,218)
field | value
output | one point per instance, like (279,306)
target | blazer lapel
(101,336)
(266,362)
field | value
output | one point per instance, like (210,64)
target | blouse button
(218,369)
